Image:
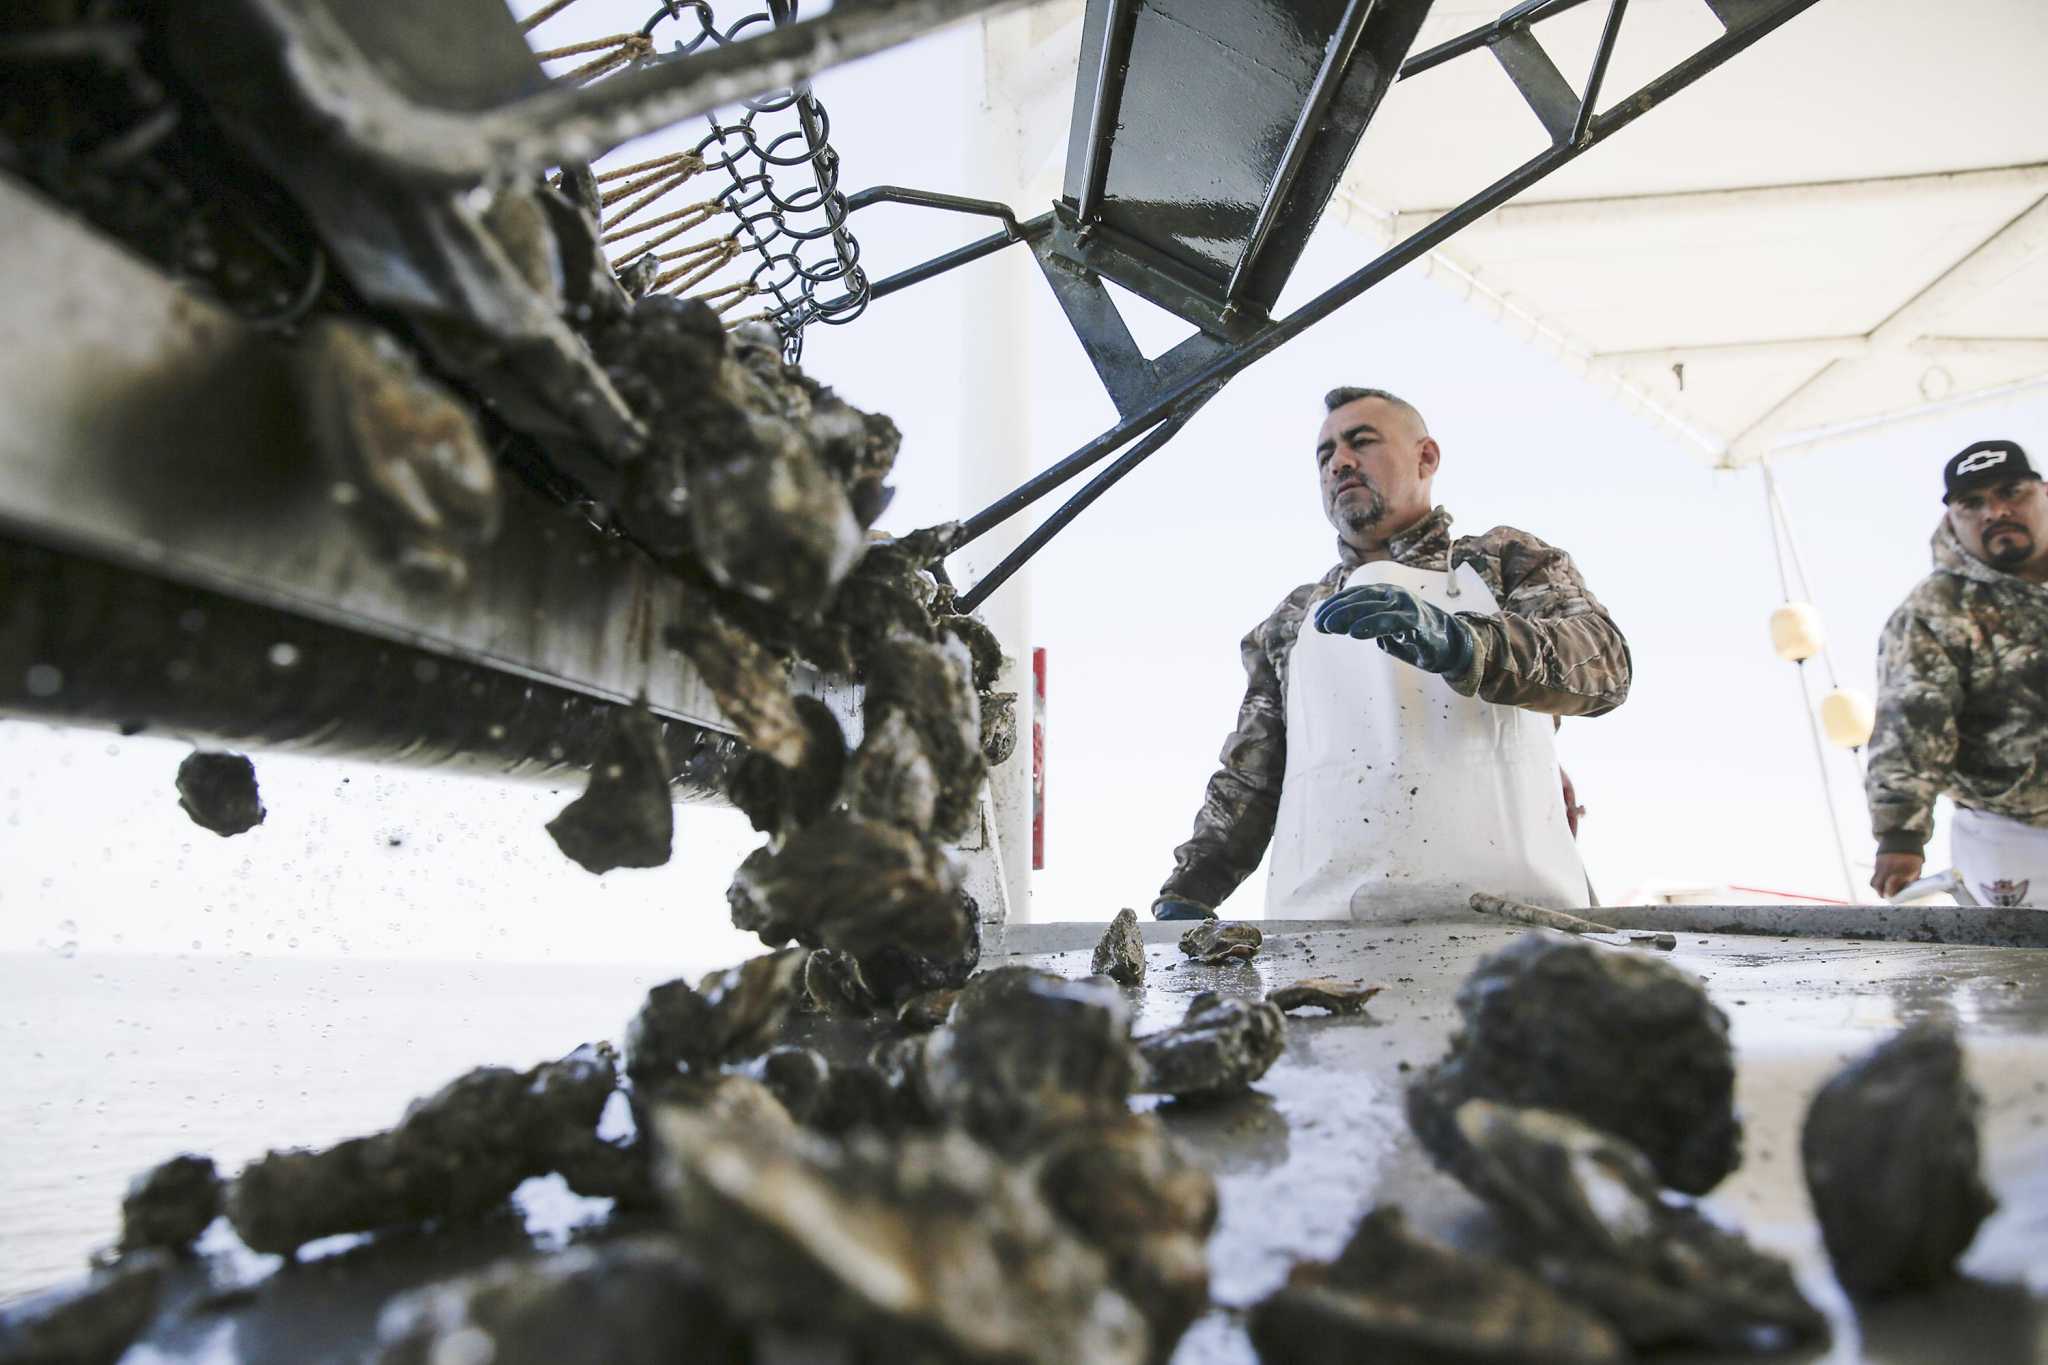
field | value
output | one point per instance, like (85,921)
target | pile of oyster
(1586,1095)
(962,1178)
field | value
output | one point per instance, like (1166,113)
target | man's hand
(1895,872)
(1167,908)
(1572,809)
(1402,624)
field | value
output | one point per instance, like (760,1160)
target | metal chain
(793,244)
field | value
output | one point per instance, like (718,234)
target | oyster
(871,889)
(1586,1211)
(1120,955)
(928,1247)
(1214,942)
(454,1155)
(219,792)
(408,452)
(1390,1295)
(1124,1185)
(779,797)
(1217,1051)
(1626,1042)
(624,817)
(90,1322)
(634,1301)
(834,986)
(728,1016)
(1890,1150)
(752,688)
(931,688)
(1323,992)
(1026,1051)
(170,1204)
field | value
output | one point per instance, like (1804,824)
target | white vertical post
(995,437)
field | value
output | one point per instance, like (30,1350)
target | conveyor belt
(144,431)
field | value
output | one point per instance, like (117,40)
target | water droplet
(68,948)
(44,680)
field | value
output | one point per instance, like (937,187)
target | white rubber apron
(2004,861)
(1402,797)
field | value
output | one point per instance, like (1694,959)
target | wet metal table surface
(1323,1138)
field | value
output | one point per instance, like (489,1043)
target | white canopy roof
(1846,224)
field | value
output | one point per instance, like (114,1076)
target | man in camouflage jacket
(1551,648)
(1962,705)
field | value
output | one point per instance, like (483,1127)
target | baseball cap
(1983,464)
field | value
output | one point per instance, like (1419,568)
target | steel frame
(1157,398)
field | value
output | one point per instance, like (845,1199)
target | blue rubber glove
(1402,624)
(1165,908)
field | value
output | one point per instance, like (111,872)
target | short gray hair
(1337,398)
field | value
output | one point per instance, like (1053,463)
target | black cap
(1983,464)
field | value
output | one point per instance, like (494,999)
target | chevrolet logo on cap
(1983,459)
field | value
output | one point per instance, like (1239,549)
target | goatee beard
(2016,552)
(1359,518)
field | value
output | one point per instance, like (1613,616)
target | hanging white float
(1847,716)
(1796,632)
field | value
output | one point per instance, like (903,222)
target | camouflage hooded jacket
(1962,700)
(1551,648)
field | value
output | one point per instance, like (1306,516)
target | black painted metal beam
(1012,232)
(1116,48)
(1472,40)
(1104,335)
(1609,32)
(1548,93)
(1314,111)
(1074,506)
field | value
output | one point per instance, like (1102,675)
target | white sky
(1705,775)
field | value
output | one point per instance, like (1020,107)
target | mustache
(1997,526)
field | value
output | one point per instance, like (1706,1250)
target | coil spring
(789,247)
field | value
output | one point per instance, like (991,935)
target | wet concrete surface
(1322,1139)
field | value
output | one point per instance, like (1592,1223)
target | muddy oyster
(1216,1051)
(1890,1151)
(927,1247)
(1541,1022)
(1389,1295)
(218,791)
(1120,955)
(624,817)
(1588,1213)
